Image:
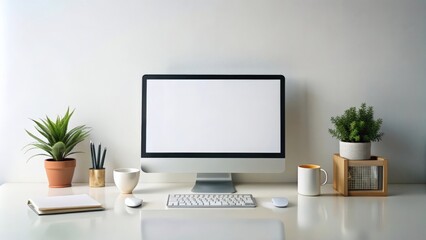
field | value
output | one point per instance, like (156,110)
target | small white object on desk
(280,202)
(133,202)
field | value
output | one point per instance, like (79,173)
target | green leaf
(58,151)
(42,129)
(36,138)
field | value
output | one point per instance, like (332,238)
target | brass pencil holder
(97,177)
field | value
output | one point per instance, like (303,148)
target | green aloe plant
(56,141)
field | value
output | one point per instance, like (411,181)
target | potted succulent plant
(356,129)
(57,143)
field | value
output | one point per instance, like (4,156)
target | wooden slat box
(360,177)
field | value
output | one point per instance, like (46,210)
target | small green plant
(56,141)
(357,125)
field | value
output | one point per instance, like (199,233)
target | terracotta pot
(60,173)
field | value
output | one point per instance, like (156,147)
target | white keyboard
(210,200)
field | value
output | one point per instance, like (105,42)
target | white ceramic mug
(309,179)
(126,179)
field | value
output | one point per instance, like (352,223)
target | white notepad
(64,204)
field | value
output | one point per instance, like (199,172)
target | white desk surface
(401,215)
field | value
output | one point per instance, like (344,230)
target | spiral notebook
(64,204)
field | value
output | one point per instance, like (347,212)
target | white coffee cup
(309,179)
(126,179)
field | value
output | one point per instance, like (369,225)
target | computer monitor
(213,125)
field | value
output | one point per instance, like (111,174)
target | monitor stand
(214,183)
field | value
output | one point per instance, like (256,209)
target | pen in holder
(97,172)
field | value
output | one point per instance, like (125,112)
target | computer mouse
(280,202)
(133,202)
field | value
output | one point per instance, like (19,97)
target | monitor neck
(214,183)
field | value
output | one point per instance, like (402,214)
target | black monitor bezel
(147,77)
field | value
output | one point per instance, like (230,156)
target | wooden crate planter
(360,177)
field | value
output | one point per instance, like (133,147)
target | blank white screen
(213,116)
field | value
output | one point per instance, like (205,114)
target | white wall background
(91,55)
